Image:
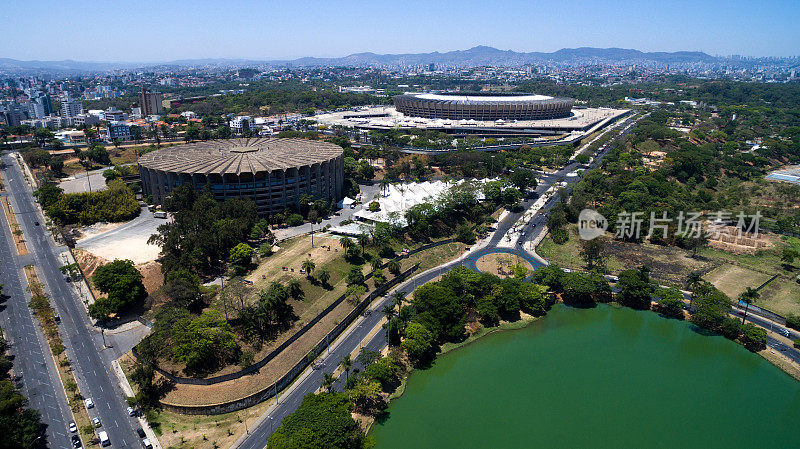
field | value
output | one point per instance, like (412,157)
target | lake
(602,377)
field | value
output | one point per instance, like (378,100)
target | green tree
(321,421)
(787,256)
(240,258)
(754,338)
(57,165)
(592,252)
(355,275)
(327,382)
(205,342)
(635,288)
(693,281)
(749,296)
(347,244)
(122,282)
(418,342)
(393,266)
(324,276)
(346,364)
(308,265)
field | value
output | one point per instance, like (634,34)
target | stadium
(274,173)
(483,106)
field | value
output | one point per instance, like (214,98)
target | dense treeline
(278,100)
(114,204)
(694,174)
(203,230)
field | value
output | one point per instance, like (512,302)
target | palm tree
(293,289)
(748,296)
(324,276)
(693,281)
(346,364)
(347,243)
(393,266)
(376,262)
(390,313)
(363,239)
(384,185)
(309,266)
(327,382)
(398,298)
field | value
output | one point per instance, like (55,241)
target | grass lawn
(782,296)
(733,280)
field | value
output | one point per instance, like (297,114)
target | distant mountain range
(474,57)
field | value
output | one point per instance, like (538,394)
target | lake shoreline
(549,349)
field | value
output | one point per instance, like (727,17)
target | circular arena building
(483,106)
(274,173)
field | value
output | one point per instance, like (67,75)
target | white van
(104,441)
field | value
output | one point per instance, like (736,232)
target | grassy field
(731,273)
(733,279)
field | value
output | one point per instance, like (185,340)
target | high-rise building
(70,107)
(39,106)
(150,102)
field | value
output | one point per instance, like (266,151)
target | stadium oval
(483,106)
(274,173)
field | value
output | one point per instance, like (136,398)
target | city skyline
(157,32)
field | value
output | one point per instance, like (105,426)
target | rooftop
(235,156)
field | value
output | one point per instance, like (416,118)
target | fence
(299,367)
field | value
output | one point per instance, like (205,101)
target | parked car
(96,422)
(89,403)
(140,432)
(146,444)
(72,427)
(131,411)
(103,436)
(76,442)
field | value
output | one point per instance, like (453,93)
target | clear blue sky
(175,29)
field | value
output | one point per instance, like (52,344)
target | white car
(146,443)
(96,422)
(89,403)
(72,427)
(131,411)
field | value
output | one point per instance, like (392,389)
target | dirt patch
(669,265)
(151,271)
(501,264)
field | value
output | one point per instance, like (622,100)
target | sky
(151,31)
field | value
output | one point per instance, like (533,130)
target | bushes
(116,203)
(321,420)
(204,342)
(793,321)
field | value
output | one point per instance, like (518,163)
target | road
(352,339)
(33,366)
(90,361)
(368,192)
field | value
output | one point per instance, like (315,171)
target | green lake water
(602,377)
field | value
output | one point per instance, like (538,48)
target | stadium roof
(483,98)
(236,156)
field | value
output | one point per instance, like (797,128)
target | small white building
(241,122)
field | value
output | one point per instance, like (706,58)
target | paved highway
(352,339)
(34,368)
(83,341)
